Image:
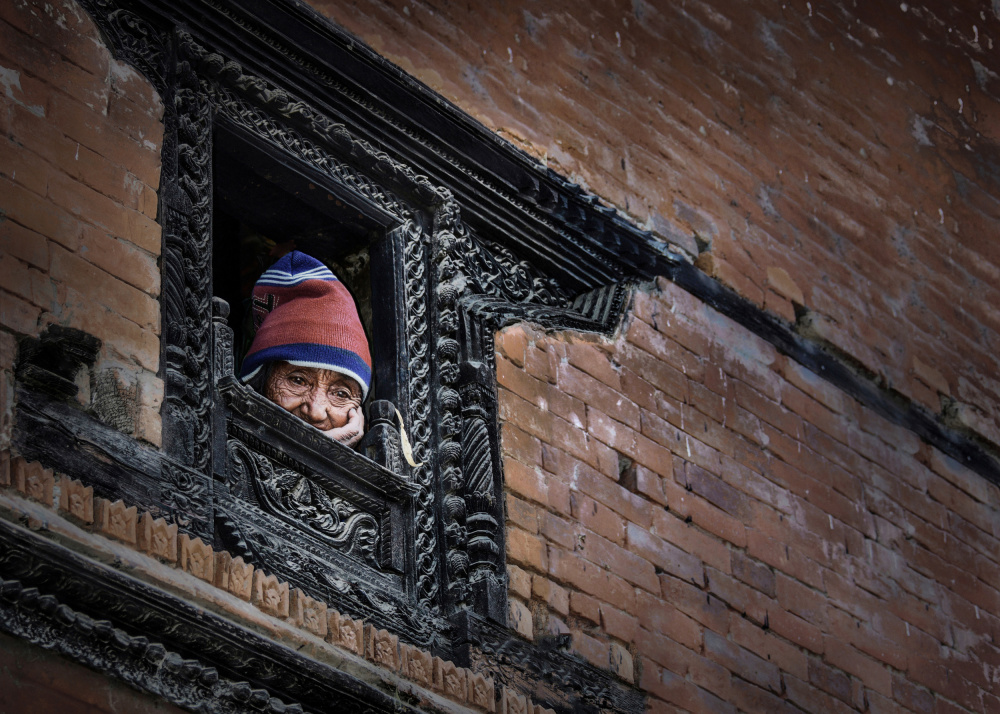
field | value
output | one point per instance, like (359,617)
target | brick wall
(837,156)
(702,515)
(753,538)
(79,242)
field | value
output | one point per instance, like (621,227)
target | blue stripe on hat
(306,354)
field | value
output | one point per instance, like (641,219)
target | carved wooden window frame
(452,291)
(422,218)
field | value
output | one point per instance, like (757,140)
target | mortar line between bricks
(966,447)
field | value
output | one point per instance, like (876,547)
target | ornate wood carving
(401,548)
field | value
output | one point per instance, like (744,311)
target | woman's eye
(297,380)
(342,394)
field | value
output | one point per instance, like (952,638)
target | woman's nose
(315,407)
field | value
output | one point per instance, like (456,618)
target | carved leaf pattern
(293,496)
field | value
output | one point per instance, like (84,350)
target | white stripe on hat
(283,277)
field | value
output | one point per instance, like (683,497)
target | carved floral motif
(308,613)
(450,679)
(383,647)
(234,575)
(158,538)
(270,594)
(117,520)
(197,558)
(345,632)
(417,665)
(34,481)
(76,499)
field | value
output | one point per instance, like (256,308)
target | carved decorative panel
(429,536)
(408,550)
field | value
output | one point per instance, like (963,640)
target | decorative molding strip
(43,620)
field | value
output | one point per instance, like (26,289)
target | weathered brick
(585,606)
(598,517)
(112,292)
(24,244)
(38,214)
(742,662)
(526,550)
(664,555)
(593,580)
(556,597)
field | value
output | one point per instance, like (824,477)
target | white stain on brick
(10,79)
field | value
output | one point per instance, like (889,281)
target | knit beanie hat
(306,317)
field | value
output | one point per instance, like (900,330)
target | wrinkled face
(317,396)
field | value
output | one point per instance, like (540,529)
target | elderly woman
(309,355)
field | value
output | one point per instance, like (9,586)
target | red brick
(24,244)
(593,650)
(95,132)
(711,519)
(650,484)
(618,624)
(18,315)
(639,391)
(664,555)
(576,572)
(742,662)
(645,338)
(512,343)
(618,560)
(72,34)
(562,532)
(540,364)
(602,489)
(705,607)
(143,125)
(797,630)
(754,574)
(717,492)
(525,481)
(640,365)
(815,386)
(22,168)
(880,705)
(526,550)
(763,642)
(556,597)
(520,582)
(111,292)
(673,528)
(770,411)
(522,514)
(544,425)
(830,680)
(585,606)
(121,336)
(660,617)
(520,444)
(594,361)
(38,214)
(598,518)
(26,282)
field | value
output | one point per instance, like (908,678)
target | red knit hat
(306,317)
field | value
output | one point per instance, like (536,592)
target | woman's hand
(350,433)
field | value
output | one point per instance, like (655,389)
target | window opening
(263,210)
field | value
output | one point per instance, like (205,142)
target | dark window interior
(264,207)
